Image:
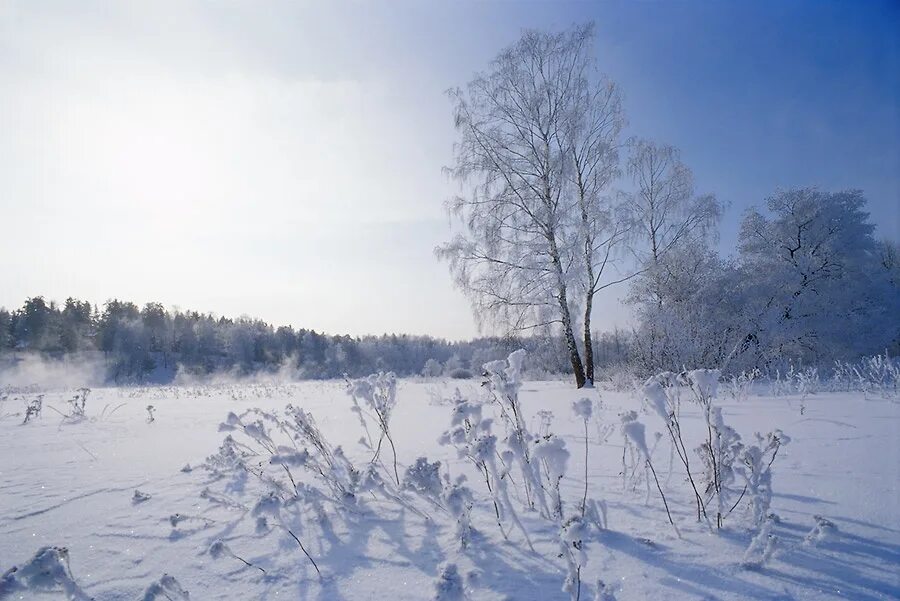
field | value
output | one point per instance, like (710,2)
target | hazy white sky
(283,159)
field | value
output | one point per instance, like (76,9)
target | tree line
(138,341)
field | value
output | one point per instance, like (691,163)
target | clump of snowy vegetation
(873,376)
(727,462)
(378,393)
(47,571)
(219,549)
(167,588)
(33,409)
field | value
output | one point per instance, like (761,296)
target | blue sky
(283,159)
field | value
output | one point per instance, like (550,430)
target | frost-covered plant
(796,381)
(722,443)
(661,393)
(33,409)
(754,465)
(821,532)
(269,506)
(424,478)
(621,377)
(762,545)
(219,549)
(378,393)
(47,571)
(550,451)
(78,404)
(740,386)
(458,500)
(633,431)
(869,375)
(504,380)
(292,466)
(807,381)
(449,584)
(584,409)
(269,449)
(572,535)
(719,451)
(166,588)
(471,435)
(718,455)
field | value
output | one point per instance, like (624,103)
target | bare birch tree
(536,147)
(671,222)
(603,223)
(668,216)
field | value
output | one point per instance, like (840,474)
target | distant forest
(139,342)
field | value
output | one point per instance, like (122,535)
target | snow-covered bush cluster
(281,469)
(730,470)
(49,572)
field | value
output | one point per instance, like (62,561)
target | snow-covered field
(72,483)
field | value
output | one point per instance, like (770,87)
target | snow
(108,507)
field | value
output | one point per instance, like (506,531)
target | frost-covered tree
(603,222)
(75,325)
(695,322)
(6,339)
(668,215)
(675,265)
(536,147)
(818,287)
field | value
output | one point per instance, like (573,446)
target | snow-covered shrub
(47,571)
(34,407)
(424,478)
(718,454)
(584,410)
(471,435)
(572,535)
(550,451)
(662,393)
(796,381)
(167,588)
(633,432)
(823,531)
(740,385)
(458,500)
(504,380)
(432,369)
(78,404)
(754,465)
(461,373)
(219,549)
(268,449)
(722,445)
(620,377)
(762,545)
(378,393)
(871,375)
